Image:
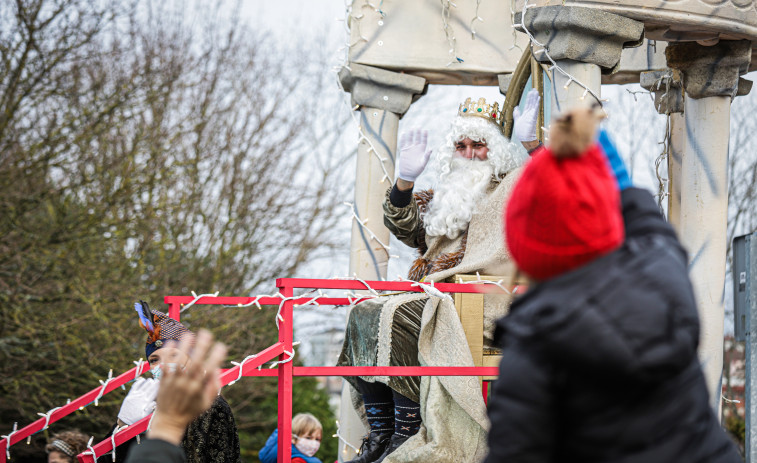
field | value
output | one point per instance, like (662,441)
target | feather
(145,315)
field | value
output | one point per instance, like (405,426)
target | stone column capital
(381,89)
(710,70)
(588,35)
(667,87)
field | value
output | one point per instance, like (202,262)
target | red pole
(286,371)
(174,309)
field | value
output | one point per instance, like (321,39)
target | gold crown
(482,109)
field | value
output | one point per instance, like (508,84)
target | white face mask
(156,372)
(307,446)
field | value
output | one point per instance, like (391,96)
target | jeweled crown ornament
(482,109)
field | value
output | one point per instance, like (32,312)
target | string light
(286,360)
(362,223)
(362,137)
(7,438)
(476,18)
(47,417)
(113,439)
(138,370)
(240,365)
(515,34)
(377,9)
(498,283)
(554,67)
(662,182)
(197,298)
(451,40)
(667,79)
(90,449)
(104,385)
(339,435)
(431,291)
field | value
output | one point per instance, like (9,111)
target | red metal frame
(286,371)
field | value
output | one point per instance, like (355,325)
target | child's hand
(616,163)
(572,133)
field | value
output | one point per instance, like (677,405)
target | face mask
(156,372)
(307,446)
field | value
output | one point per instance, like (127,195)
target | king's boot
(373,447)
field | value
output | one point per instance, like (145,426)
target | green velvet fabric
(361,342)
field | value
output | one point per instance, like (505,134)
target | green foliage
(136,146)
(736,426)
(307,398)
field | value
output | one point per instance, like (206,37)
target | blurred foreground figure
(212,437)
(600,355)
(184,394)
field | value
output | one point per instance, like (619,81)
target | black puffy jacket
(600,364)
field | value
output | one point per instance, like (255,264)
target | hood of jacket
(630,314)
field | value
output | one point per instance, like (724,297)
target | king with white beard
(457,228)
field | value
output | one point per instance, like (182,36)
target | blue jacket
(271,449)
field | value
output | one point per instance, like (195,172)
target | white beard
(456,197)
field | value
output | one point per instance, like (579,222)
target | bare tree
(148,150)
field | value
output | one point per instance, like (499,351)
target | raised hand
(524,128)
(616,163)
(187,392)
(413,155)
(140,401)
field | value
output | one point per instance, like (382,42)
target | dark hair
(66,442)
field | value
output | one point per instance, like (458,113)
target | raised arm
(401,212)
(641,215)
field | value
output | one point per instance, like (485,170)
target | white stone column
(569,94)
(711,75)
(383,97)
(584,42)
(369,254)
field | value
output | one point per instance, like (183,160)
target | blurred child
(599,356)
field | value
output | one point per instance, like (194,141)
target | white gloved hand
(413,155)
(140,401)
(524,128)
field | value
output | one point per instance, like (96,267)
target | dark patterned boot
(407,422)
(394,443)
(373,447)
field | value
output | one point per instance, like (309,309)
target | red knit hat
(563,213)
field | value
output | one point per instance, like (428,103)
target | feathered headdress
(159,326)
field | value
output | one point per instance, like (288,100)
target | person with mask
(212,437)
(307,433)
(183,395)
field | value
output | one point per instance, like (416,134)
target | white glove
(140,401)
(524,128)
(413,154)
